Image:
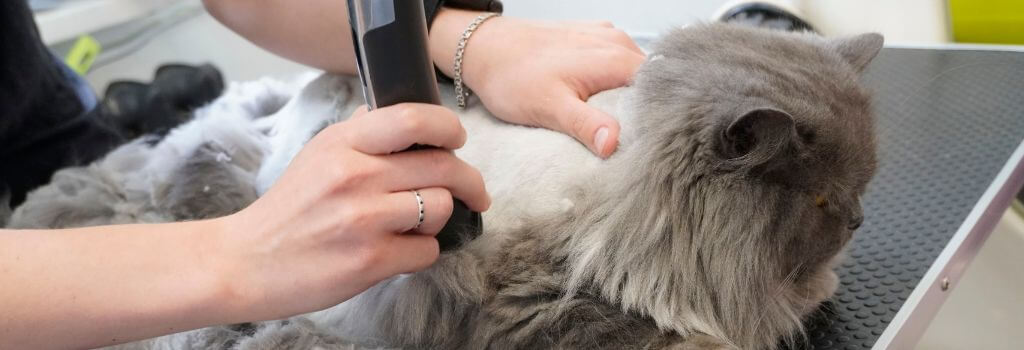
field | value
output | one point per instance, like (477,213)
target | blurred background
(110,40)
(135,36)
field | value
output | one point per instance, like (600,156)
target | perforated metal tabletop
(950,127)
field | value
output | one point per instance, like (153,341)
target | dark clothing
(47,121)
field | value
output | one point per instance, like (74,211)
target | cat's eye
(820,201)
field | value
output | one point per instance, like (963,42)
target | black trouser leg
(43,122)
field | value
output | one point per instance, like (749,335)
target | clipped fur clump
(716,224)
(202,169)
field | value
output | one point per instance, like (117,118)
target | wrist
(448,28)
(222,283)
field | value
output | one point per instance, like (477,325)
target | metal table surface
(950,124)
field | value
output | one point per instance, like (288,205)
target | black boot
(137,109)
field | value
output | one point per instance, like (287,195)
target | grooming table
(950,125)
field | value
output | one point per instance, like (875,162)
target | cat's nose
(855,222)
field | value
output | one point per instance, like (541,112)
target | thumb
(593,128)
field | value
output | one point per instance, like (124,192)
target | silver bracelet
(461,92)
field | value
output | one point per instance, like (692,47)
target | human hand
(541,73)
(341,218)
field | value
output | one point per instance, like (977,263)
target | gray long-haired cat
(714,226)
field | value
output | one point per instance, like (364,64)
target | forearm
(311,32)
(100,286)
(317,33)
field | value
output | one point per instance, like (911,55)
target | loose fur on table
(715,225)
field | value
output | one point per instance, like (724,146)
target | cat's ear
(758,137)
(859,50)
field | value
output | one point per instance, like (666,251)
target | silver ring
(419,202)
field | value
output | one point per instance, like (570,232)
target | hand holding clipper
(390,40)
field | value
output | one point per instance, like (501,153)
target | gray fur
(293,334)
(203,169)
(5,205)
(703,231)
(714,226)
(736,241)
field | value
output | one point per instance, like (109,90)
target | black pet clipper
(390,40)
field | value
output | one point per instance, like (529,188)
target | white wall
(903,21)
(636,16)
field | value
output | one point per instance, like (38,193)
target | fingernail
(600,137)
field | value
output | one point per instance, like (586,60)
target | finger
(412,253)
(396,128)
(437,168)
(405,210)
(595,129)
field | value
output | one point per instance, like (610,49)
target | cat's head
(774,127)
(750,151)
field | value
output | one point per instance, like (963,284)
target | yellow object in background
(82,54)
(987,21)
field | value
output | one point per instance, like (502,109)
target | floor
(983,312)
